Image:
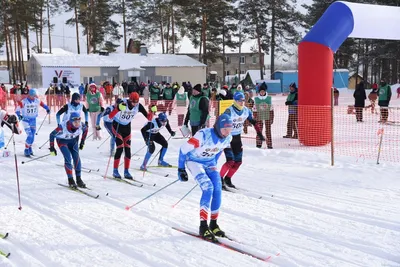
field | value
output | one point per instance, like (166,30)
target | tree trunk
(204,37)
(77,28)
(40,48)
(124,24)
(167,42)
(49,24)
(260,53)
(13,68)
(161,29)
(16,52)
(273,21)
(28,50)
(173,29)
(7,43)
(223,52)
(21,54)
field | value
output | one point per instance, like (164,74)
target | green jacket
(263,106)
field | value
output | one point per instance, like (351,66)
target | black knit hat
(263,86)
(197,87)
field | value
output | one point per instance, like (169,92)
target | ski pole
(103,142)
(16,172)
(44,144)
(11,137)
(42,124)
(149,196)
(190,191)
(109,159)
(89,135)
(23,162)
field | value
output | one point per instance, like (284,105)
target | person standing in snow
(197,112)
(94,101)
(151,133)
(28,111)
(265,114)
(122,116)
(200,155)
(67,135)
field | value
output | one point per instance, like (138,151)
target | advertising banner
(70,76)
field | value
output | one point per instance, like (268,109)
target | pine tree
(255,19)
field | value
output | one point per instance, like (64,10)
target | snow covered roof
(256,76)
(122,61)
(295,71)
(54,51)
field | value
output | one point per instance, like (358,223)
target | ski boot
(143,168)
(31,151)
(116,173)
(71,183)
(216,230)
(162,163)
(223,185)
(207,234)
(79,182)
(127,175)
(228,182)
(27,153)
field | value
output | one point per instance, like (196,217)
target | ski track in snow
(310,213)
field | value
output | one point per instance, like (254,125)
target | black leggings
(123,140)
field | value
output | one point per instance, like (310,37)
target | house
(82,68)
(246,61)
(253,77)
(340,78)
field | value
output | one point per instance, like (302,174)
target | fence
(359,140)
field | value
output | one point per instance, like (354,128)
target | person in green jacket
(168,96)
(197,112)
(291,102)
(385,94)
(206,90)
(155,92)
(94,100)
(265,114)
(181,103)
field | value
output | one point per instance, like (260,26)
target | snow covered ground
(310,213)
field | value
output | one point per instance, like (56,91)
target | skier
(27,111)
(233,154)
(74,106)
(11,121)
(67,135)
(122,115)
(108,124)
(201,154)
(151,134)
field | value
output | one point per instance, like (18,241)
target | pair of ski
(2,253)
(242,191)
(220,242)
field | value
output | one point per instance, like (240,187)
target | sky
(63,36)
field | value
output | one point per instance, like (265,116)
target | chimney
(143,50)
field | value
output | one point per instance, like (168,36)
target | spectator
(82,91)
(181,103)
(249,103)
(385,94)
(146,95)
(155,92)
(3,98)
(118,91)
(336,96)
(168,96)
(373,96)
(94,105)
(291,102)
(265,114)
(359,100)
(197,112)
(206,90)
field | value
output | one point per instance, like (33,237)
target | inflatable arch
(315,52)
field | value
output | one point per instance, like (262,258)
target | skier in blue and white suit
(74,106)
(27,112)
(201,154)
(67,135)
(108,124)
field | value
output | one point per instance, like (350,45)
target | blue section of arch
(333,28)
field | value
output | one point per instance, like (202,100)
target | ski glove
(48,111)
(53,151)
(173,133)
(259,135)
(182,174)
(86,123)
(81,146)
(98,128)
(20,117)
